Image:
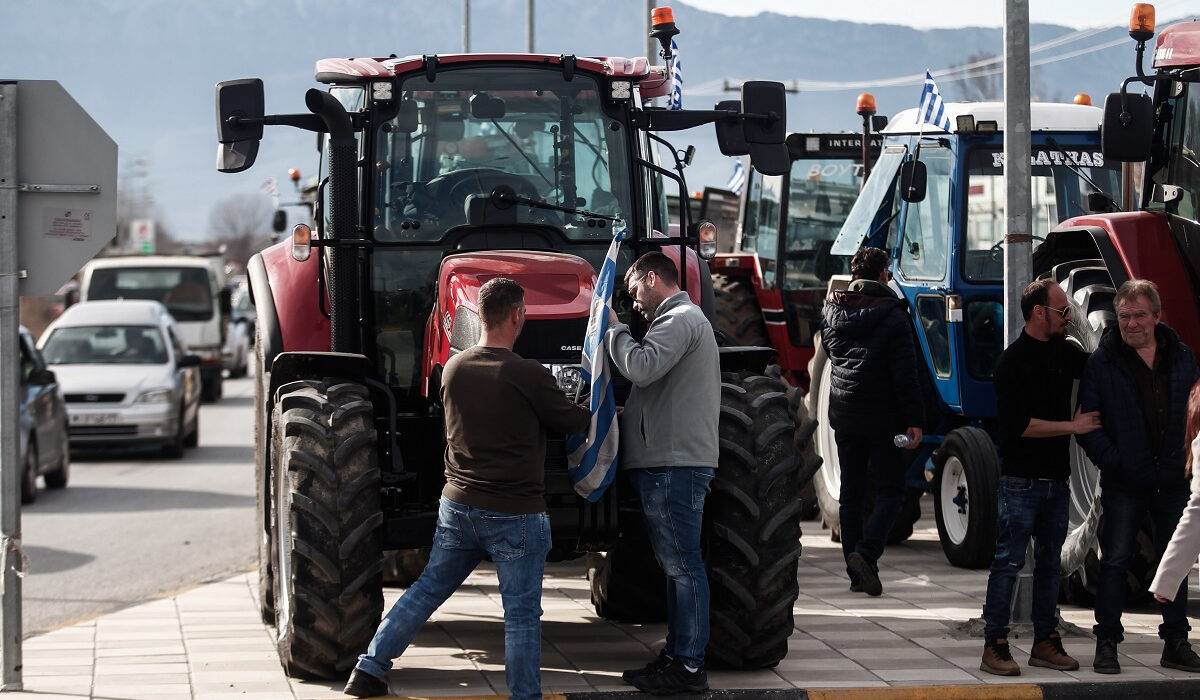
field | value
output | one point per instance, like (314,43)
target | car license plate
(94,418)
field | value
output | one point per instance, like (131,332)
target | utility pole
(466,26)
(529,27)
(1018,205)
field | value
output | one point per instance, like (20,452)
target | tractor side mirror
(730,138)
(240,111)
(485,106)
(406,118)
(764,104)
(279,221)
(1126,134)
(912,181)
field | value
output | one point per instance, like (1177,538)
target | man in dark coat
(874,395)
(1138,378)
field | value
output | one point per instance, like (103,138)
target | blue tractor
(936,202)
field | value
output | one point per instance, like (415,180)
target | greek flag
(592,458)
(675,99)
(737,179)
(932,109)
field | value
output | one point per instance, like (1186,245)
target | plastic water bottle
(902,440)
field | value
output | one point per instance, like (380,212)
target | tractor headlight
(569,378)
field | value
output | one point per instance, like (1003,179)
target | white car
(236,353)
(126,375)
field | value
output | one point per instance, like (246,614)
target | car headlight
(155,396)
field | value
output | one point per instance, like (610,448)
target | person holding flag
(669,452)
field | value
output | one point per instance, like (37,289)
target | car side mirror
(1126,134)
(42,377)
(912,181)
(189,361)
(225,299)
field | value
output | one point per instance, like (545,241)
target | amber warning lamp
(294,175)
(662,28)
(1083,99)
(866,104)
(1141,22)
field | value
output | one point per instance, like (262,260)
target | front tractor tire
(328,592)
(752,524)
(738,315)
(968,475)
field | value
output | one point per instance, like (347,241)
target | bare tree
(981,83)
(242,222)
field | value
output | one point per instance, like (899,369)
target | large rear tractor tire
(327,580)
(738,315)
(1090,292)
(968,474)
(827,480)
(752,524)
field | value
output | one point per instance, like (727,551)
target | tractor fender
(293,366)
(1135,245)
(752,359)
(286,298)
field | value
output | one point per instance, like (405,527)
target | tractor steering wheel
(452,190)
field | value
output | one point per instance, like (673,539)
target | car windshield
(452,142)
(124,345)
(185,291)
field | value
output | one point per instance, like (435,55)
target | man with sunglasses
(1034,379)
(1139,379)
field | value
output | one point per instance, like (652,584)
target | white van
(189,286)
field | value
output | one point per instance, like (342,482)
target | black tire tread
(737,313)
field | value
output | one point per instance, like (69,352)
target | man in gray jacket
(669,447)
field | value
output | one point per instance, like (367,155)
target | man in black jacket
(874,394)
(1139,379)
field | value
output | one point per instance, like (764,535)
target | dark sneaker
(1049,653)
(649,669)
(856,588)
(998,660)
(672,679)
(364,685)
(868,575)
(1106,657)
(1178,654)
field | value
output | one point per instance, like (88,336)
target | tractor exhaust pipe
(343,217)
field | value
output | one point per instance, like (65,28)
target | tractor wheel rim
(830,472)
(954,480)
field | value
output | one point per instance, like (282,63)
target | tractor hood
(558,295)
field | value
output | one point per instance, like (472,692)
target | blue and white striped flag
(932,109)
(675,99)
(592,458)
(737,179)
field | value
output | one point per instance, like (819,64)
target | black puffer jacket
(1121,448)
(874,388)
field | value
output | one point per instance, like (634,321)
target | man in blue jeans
(498,408)
(1139,378)
(1034,379)
(874,394)
(669,451)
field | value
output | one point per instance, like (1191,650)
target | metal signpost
(58,208)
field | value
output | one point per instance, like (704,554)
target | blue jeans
(1028,508)
(672,500)
(518,546)
(1124,513)
(857,455)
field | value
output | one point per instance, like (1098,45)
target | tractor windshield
(1059,189)
(1182,151)
(453,142)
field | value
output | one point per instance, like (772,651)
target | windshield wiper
(1112,203)
(506,195)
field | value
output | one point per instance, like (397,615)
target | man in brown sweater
(498,410)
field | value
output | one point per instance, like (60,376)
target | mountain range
(145,70)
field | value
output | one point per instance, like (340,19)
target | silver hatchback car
(127,378)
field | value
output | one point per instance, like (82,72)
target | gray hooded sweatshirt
(670,419)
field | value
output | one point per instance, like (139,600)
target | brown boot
(998,660)
(1049,653)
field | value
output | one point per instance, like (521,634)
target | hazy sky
(949,13)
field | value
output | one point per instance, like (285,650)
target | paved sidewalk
(206,643)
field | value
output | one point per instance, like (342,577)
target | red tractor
(1090,256)
(439,172)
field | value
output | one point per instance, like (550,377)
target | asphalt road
(132,527)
